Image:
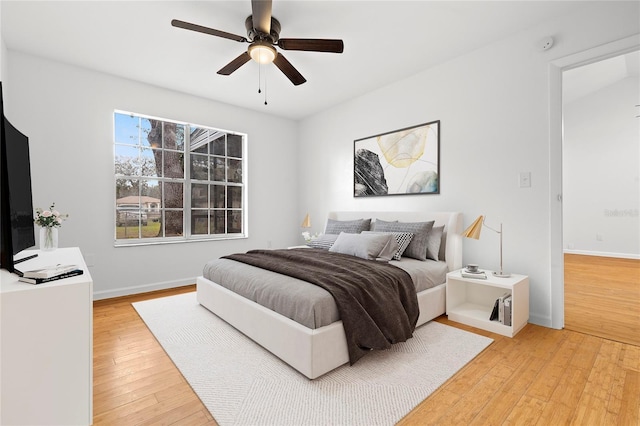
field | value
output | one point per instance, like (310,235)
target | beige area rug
(243,384)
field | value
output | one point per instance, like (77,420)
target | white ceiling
(581,81)
(384,41)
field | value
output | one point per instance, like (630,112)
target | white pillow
(366,246)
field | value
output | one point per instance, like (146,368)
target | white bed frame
(314,352)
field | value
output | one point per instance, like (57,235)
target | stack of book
(477,274)
(50,273)
(502,310)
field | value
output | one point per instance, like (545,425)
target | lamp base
(501,274)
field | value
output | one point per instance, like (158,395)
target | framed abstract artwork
(401,162)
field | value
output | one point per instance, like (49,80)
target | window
(177,181)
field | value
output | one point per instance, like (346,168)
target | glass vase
(48,238)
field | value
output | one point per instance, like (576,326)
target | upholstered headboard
(451,237)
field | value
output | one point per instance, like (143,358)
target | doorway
(601,198)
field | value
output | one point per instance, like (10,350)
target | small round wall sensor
(546,43)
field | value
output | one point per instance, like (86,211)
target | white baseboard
(145,288)
(603,254)
(542,320)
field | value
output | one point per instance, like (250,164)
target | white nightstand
(470,301)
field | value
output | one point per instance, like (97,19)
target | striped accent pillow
(324,241)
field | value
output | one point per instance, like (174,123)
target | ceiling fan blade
(206,30)
(235,64)
(288,70)
(311,44)
(261,13)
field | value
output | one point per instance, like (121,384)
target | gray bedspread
(376,301)
(305,303)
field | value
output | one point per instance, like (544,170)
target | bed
(320,345)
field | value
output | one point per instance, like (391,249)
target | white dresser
(46,345)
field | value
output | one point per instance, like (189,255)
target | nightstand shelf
(470,301)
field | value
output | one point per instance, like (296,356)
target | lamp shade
(473,231)
(306,223)
(262,52)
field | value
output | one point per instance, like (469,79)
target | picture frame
(401,162)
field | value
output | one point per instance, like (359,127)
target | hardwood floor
(602,297)
(541,376)
(134,381)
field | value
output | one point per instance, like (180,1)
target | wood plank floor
(602,297)
(542,376)
(134,381)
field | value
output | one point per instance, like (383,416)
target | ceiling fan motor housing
(255,35)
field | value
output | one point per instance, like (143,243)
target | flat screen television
(16,202)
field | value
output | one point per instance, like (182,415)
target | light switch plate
(524,179)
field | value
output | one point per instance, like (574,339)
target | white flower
(49,218)
(308,237)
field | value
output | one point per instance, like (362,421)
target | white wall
(3,48)
(601,166)
(493,105)
(67,112)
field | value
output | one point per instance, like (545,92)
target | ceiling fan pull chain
(259,78)
(265,88)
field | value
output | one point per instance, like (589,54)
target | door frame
(556,250)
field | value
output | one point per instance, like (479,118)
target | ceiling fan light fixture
(262,53)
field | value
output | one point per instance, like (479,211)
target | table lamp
(473,231)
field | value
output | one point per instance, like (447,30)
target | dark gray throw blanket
(377,301)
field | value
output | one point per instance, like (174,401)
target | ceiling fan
(263,36)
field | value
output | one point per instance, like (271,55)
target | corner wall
(494,110)
(67,112)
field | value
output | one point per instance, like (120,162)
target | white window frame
(187,236)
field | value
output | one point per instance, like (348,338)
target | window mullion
(226,185)
(187,182)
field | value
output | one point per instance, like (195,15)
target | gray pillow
(366,246)
(348,226)
(434,241)
(389,250)
(402,238)
(417,248)
(324,241)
